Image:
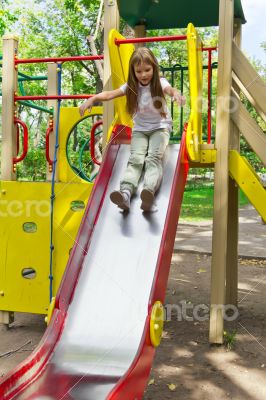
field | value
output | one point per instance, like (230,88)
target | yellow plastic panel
(194,129)
(22,250)
(69,118)
(247,179)
(119,59)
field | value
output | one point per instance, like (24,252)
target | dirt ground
(186,367)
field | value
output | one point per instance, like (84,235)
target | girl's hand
(179,98)
(85,106)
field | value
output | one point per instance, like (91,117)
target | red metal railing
(25,140)
(92,142)
(210,50)
(54,97)
(56,59)
(150,39)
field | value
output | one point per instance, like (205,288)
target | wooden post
(220,216)
(9,137)
(9,87)
(111,21)
(233,195)
(140,31)
(52,89)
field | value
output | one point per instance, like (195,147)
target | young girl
(145,93)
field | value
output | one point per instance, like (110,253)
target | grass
(198,202)
(230,339)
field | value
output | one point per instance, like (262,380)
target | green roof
(166,14)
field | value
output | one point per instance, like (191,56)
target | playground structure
(122,371)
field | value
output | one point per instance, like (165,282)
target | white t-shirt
(148,118)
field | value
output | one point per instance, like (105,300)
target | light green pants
(146,148)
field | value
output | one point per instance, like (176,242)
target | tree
(7,18)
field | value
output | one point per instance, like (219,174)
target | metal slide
(97,344)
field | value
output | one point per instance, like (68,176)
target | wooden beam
(9,136)
(52,90)
(9,87)
(220,220)
(255,137)
(233,200)
(238,84)
(250,79)
(140,31)
(6,317)
(111,21)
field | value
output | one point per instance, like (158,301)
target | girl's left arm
(176,95)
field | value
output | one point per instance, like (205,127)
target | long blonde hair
(139,56)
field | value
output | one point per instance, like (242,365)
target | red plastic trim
(92,142)
(25,140)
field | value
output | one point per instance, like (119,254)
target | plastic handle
(47,144)
(25,140)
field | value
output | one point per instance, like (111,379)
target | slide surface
(97,345)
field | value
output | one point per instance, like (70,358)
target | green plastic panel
(166,14)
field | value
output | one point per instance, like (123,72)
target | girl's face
(144,73)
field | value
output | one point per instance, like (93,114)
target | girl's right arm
(103,96)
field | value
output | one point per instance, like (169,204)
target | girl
(145,93)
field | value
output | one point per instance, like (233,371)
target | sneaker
(121,199)
(147,197)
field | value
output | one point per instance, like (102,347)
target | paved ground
(197,238)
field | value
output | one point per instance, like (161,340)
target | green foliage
(33,168)
(78,147)
(7,18)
